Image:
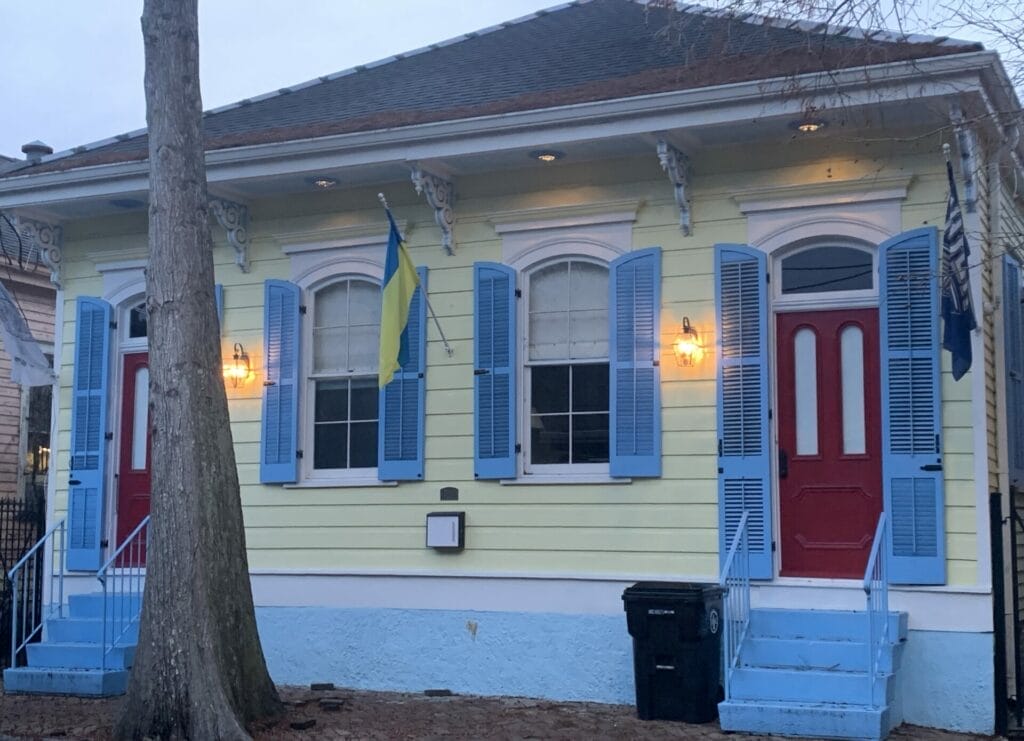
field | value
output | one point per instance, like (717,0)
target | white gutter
(599,119)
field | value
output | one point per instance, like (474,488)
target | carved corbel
(440,195)
(45,240)
(967,142)
(234,219)
(675,164)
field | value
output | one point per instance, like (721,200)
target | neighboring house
(590,185)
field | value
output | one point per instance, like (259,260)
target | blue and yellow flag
(400,282)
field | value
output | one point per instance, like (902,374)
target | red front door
(133,472)
(830,450)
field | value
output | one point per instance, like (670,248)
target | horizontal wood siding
(665,526)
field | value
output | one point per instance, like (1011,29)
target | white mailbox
(446,530)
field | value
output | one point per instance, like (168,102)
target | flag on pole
(29,366)
(400,282)
(957,308)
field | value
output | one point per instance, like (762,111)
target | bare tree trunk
(199,672)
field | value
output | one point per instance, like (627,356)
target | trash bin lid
(662,590)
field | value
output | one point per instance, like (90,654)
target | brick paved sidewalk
(352,714)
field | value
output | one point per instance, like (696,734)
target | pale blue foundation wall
(555,656)
(947,681)
(946,678)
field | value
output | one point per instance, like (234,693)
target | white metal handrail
(735,580)
(876,590)
(122,578)
(23,576)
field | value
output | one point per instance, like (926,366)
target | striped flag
(400,282)
(957,308)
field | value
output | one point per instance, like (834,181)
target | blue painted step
(794,653)
(821,625)
(804,719)
(91,605)
(85,630)
(790,685)
(80,682)
(78,656)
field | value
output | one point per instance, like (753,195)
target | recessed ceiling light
(323,182)
(546,155)
(808,125)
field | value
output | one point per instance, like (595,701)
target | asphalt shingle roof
(585,51)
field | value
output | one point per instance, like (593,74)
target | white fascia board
(743,101)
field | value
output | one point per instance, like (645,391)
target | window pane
(138,321)
(549,288)
(590,388)
(549,438)
(549,389)
(365,395)
(588,286)
(852,349)
(364,326)
(363,445)
(589,332)
(590,438)
(330,446)
(140,419)
(331,401)
(346,327)
(806,392)
(824,269)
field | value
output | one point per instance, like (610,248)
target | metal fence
(21,525)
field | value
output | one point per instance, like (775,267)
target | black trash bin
(677,649)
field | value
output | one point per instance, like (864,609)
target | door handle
(783,464)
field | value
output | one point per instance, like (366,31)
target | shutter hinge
(113,325)
(108,436)
(769,414)
(519,293)
(719,448)
(298,453)
(419,375)
(480,371)
(104,543)
(938,445)
(519,448)
(773,546)
(302,308)
(768,279)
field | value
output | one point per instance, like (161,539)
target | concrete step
(810,720)
(809,686)
(91,605)
(820,625)
(86,630)
(793,653)
(51,655)
(78,682)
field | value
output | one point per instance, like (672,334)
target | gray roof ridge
(323,78)
(821,27)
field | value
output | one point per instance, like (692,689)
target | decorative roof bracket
(440,195)
(234,219)
(677,166)
(967,142)
(45,240)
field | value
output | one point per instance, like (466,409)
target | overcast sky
(71,70)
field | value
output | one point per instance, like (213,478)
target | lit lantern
(687,345)
(240,369)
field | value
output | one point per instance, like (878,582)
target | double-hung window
(341,388)
(566,368)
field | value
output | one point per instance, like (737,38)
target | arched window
(826,269)
(566,365)
(342,380)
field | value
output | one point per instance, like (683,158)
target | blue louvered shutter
(400,440)
(1013,331)
(89,404)
(743,452)
(279,459)
(911,443)
(635,388)
(494,371)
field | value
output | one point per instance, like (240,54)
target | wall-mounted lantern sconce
(240,369)
(687,346)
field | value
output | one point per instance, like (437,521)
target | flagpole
(447,347)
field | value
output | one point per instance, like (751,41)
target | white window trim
(314,266)
(526,246)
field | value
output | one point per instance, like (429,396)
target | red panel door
(133,487)
(830,449)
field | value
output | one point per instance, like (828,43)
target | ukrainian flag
(400,282)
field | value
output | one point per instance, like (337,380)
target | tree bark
(199,670)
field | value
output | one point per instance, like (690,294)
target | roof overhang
(624,125)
